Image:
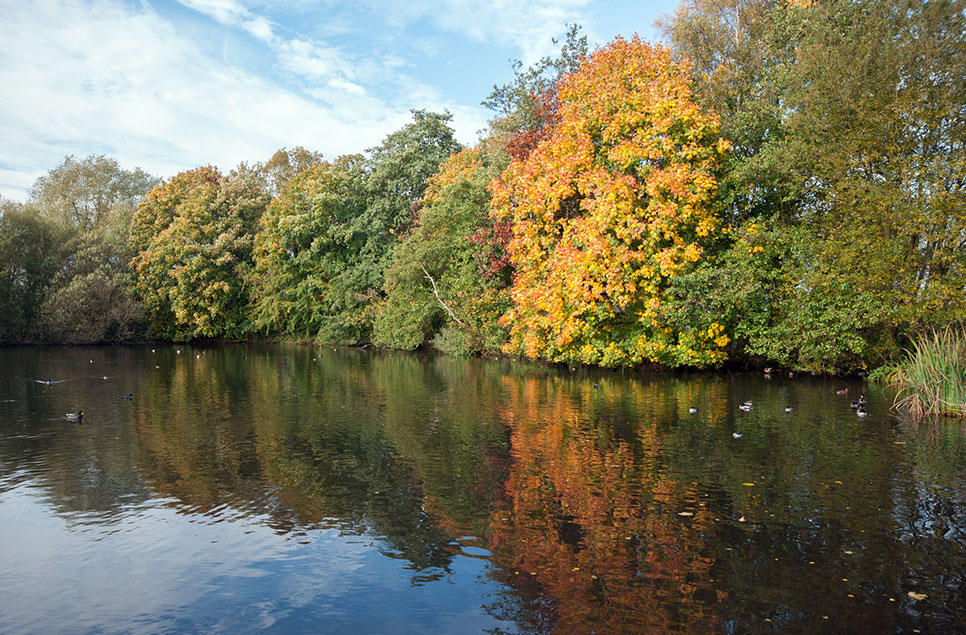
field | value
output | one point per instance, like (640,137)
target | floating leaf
(917,596)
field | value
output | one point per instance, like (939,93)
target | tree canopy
(615,202)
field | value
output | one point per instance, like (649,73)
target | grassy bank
(931,380)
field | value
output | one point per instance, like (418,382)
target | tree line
(781,183)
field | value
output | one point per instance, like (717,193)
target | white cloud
(100,76)
(233,13)
(525,25)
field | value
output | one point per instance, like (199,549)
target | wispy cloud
(105,77)
(232,13)
(527,26)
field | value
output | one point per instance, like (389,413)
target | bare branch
(439,299)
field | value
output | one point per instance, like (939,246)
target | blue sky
(171,85)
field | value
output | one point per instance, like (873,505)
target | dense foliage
(193,237)
(782,184)
(304,248)
(441,285)
(64,255)
(615,202)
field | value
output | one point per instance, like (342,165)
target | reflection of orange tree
(598,528)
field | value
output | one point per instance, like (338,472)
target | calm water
(284,489)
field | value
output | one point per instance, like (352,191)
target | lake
(288,489)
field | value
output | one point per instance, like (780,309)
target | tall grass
(932,378)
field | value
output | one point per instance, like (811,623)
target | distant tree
(193,238)
(284,165)
(87,297)
(304,248)
(616,202)
(81,194)
(30,254)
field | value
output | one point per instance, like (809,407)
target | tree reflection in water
(597,501)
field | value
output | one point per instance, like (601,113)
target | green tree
(81,194)
(89,297)
(742,52)
(193,237)
(847,120)
(30,253)
(397,172)
(304,248)
(879,131)
(284,165)
(439,285)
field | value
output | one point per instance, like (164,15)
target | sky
(172,85)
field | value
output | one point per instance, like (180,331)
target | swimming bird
(843,391)
(692,409)
(854,404)
(746,406)
(789,409)
(863,400)
(74,416)
(737,435)
(50,382)
(862,412)
(129,396)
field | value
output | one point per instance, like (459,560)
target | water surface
(282,489)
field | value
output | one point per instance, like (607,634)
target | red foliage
(524,141)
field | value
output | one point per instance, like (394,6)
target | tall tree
(30,254)
(284,165)
(304,247)
(742,52)
(851,184)
(879,128)
(82,193)
(441,285)
(193,237)
(617,201)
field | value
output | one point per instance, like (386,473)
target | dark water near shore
(283,489)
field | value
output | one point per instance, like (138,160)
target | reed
(931,380)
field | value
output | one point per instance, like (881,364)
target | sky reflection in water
(288,489)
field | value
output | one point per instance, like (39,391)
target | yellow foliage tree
(618,199)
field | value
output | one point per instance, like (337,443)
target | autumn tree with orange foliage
(616,201)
